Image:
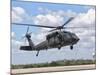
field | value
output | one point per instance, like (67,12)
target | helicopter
(56,39)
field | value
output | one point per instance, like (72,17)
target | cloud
(48,19)
(13,35)
(68,13)
(52,18)
(20,15)
(17,12)
(84,19)
(16,43)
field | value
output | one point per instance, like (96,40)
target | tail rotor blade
(24,41)
(30,33)
(27,30)
(22,37)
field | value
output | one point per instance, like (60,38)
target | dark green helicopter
(56,39)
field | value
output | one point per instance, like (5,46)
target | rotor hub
(28,36)
(60,27)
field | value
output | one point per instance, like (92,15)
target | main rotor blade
(27,30)
(79,27)
(22,37)
(68,21)
(30,33)
(33,25)
(53,30)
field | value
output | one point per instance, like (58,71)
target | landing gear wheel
(71,47)
(37,53)
(59,47)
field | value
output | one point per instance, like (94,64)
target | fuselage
(61,38)
(56,39)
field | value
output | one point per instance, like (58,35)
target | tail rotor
(27,35)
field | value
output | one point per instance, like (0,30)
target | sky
(51,14)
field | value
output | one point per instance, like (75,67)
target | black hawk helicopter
(56,39)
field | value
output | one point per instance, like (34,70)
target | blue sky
(52,14)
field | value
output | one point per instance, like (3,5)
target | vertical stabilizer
(30,41)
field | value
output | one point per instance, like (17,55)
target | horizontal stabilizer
(26,48)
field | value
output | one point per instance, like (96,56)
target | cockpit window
(65,31)
(74,36)
(68,35)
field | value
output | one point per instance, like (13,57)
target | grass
(54,64)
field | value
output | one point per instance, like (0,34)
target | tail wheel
(71,47)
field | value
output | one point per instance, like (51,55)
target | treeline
(54,63)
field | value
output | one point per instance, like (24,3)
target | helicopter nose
(76,39)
